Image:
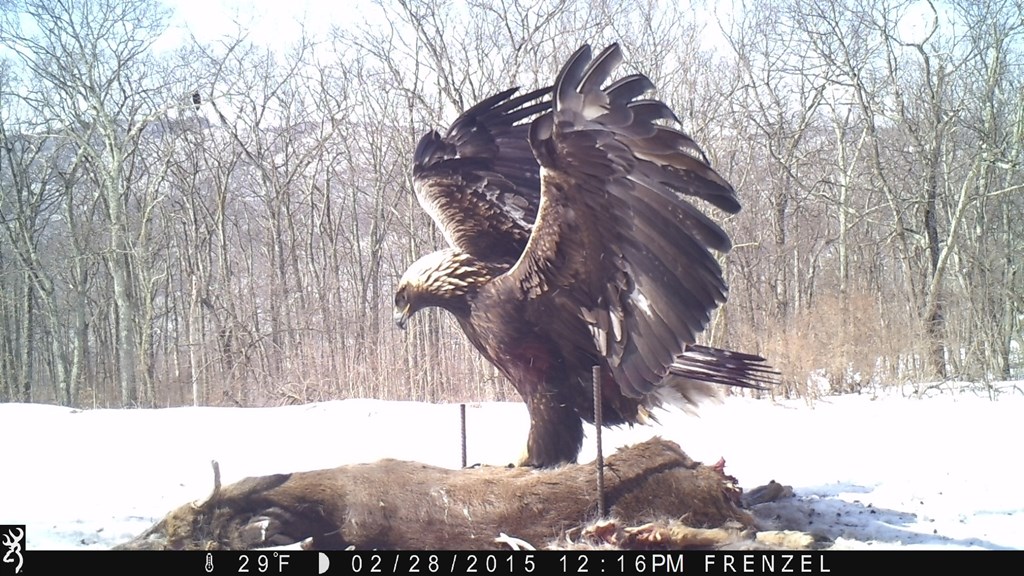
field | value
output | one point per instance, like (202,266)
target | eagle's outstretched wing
(480,182)
(616,241)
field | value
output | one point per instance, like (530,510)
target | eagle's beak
(401,317)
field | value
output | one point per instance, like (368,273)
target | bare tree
(241,247)
(97,90)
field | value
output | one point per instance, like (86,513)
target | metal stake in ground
(462,419)
(600,455)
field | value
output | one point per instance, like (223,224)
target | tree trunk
(117,260)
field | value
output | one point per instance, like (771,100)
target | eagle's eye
(401,301)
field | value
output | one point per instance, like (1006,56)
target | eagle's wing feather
(616,237)
(480,182)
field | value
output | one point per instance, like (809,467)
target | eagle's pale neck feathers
(444,278)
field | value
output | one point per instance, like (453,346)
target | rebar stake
(600,455)
(462,418)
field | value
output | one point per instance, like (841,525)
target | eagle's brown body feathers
(582,250)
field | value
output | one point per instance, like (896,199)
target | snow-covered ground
(890,472)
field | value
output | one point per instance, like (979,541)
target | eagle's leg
(556,433)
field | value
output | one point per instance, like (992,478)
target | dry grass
(841,346)
(836,345)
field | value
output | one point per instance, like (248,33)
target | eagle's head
(446,278)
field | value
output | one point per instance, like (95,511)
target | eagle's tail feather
(725,367)
(696,376)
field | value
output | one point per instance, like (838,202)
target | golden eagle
(573,244)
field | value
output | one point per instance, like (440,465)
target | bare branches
(244,249)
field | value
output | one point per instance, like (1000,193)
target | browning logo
(12,537)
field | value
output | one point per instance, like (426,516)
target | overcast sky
(266,21)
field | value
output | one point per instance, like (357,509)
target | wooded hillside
(243,250)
